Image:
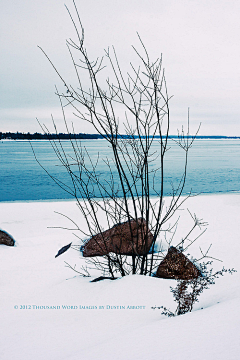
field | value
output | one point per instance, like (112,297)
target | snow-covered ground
(36,286)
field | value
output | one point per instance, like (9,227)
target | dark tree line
(39,136)
(68,136)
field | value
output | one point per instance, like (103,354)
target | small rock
(63,249)
(176,265)
(6,239)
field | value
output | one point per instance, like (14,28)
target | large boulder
(6,239)
(176,265)
(125,238)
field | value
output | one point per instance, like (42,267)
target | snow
(33,278)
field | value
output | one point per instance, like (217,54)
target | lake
(213,167)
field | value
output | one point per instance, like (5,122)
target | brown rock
(6,239)
(119,241)
(176,265)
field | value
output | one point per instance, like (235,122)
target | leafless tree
(141,98)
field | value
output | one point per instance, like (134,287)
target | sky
(199,41)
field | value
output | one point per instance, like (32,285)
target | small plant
(187,292)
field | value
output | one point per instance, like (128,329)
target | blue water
(213,167)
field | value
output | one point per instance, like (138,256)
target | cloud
(199,41)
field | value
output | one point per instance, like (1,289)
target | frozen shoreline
(230,193)
(31,276)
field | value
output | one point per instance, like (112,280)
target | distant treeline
(38,136)
(63,136)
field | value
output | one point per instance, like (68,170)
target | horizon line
(38,136)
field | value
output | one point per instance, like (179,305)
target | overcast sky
(199,40)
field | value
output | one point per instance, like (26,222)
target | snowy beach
(49,312)
(130,108)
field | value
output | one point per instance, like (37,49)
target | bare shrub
(131,113)
(187,292)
